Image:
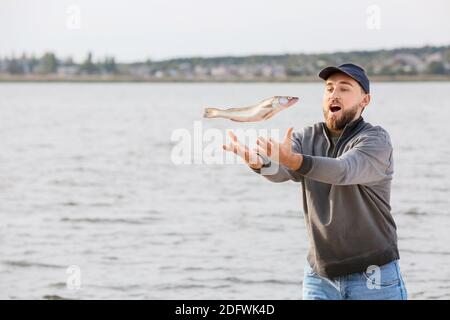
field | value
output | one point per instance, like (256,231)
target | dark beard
(340,123)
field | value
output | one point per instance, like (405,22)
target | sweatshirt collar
(353,124)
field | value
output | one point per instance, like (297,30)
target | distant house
(67,70)
(139,70)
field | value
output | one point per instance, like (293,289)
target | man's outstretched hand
(249,156)
(280,152)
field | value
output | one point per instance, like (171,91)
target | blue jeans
(376,283)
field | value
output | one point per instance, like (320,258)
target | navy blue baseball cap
(350,69)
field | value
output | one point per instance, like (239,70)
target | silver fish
(264,110)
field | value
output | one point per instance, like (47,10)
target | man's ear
(365,101)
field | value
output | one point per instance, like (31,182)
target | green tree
(88,66)
(48,63)
(436,67)
(33,62)
(109,65)
(14,66)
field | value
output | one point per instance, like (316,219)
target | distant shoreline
(126,79)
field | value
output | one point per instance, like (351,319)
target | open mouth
(335,108)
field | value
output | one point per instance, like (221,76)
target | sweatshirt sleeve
(278,173)
(367,162)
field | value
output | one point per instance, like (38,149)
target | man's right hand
(249,156)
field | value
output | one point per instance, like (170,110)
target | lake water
(92,205)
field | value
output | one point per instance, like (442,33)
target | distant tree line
(50,64)
(427,60)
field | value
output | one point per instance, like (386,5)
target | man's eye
(344,89)
(330,89)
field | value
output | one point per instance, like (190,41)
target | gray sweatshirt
(345,195)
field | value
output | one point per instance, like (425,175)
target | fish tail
(211,113)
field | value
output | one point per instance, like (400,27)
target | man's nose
(334,95)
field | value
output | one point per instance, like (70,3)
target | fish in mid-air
(264,110)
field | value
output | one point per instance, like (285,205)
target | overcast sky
(159,29)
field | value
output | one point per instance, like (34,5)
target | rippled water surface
(87,180)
